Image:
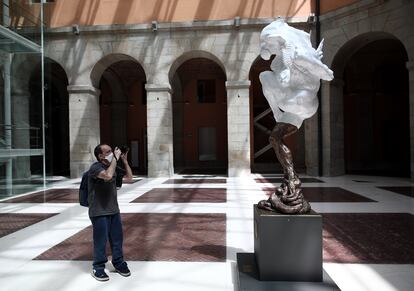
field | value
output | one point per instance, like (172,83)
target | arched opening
(376,110)
(56,112)
(262,122)
(200,117)
(123,111)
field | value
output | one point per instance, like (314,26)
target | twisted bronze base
(288,198)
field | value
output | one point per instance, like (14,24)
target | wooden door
(204,123)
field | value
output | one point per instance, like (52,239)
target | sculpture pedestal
(249,279)
(288,247)
(288,254)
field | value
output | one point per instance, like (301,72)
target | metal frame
(30,45)
(12,153)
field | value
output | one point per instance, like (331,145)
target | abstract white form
(292,85)
(290,88)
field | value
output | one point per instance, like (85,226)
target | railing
(17,137)
(21,17)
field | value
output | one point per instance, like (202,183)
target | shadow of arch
(369,98)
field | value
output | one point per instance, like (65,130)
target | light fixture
(154,25)
(237,21)
(75,29)
(311,18)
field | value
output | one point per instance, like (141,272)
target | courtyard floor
(184,233)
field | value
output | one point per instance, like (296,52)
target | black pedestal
(288,247)
(288,254)
(249,279)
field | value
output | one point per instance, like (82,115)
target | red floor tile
(368,238)
(183,195)
(280,180)
(156,237)
(327,194)
(195,181)
(407,191)
(11,222)
(48,196)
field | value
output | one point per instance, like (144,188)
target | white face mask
(109,157)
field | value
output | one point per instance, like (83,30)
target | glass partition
(21,98)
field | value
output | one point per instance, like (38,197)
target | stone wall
(160,53)
(345,31)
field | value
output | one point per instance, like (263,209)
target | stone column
(238,128)
(21,130)
(333,128)
(6,118)
(410,67)
(84,127)
(160,130)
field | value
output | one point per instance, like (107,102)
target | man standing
(104,210)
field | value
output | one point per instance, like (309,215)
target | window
(206,91)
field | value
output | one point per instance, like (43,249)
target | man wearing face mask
(104,210)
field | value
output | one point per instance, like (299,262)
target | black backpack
(83,190)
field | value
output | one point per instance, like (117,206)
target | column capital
(243,84)
(158,88)
(410,65)
(76,89)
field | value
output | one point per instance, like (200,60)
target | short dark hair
(98,150)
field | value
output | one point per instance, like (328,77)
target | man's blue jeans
(107,228)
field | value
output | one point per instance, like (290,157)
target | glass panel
(207,145)
(21,105)
(22,18)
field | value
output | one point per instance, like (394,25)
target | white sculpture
(292,85)
(290,88)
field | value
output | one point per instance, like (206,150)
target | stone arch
(57,118)
(346,51)
(192,55)
(56,114)
(335,158)
(27,91)
(105,62)
(200,141)
(122,106)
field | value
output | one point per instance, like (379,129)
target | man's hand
(124,156)
(128,176)
(117,153)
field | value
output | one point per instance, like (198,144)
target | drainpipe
(320,129)
(7,104)
(42,62)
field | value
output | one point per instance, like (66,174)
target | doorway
(200,118)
